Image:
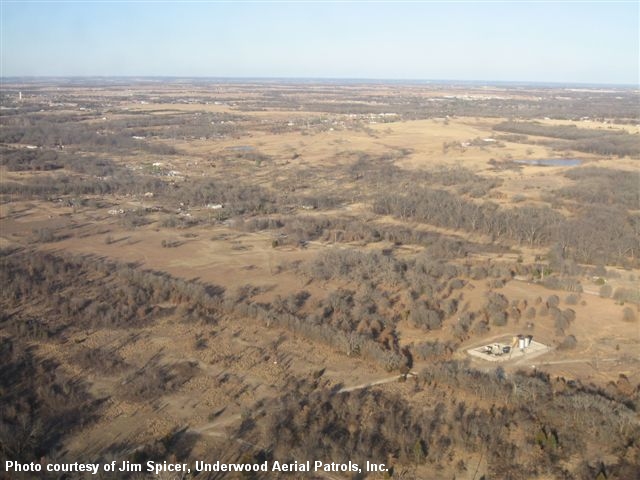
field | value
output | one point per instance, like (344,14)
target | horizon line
(436,81)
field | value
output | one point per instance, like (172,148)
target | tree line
(589,140)
(581,237)
(523,424)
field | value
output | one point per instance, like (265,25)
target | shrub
(499,319)
(561,322)
(569,315)
(497,301)
(572,299)
(627,295)
(568,284)
(478,273)
(99,360)
(605,291)
(424,317)
(554,312)
(200,342)
(449,306)
(628,315)
(463,325)
(552,283)
(568,343)
(480,328)
(431,350)
(44,235)
(170,243)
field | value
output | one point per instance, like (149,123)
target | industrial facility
(517,346)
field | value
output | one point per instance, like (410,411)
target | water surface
(553,162)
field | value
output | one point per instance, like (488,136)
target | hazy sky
(594,42)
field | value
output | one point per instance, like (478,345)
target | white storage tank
(521,342)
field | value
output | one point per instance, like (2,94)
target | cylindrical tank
(522,343)
(527,340)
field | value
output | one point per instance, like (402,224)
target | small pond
(241,148)
(553,162)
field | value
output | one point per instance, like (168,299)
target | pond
(240,148)
(553,162)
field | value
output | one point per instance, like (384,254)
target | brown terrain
(259,271)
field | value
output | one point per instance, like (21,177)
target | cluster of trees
(496,311)
(105,294)
(410,105)
(424,291)
(21,159)
(434,350)
(40,405)
(103,360)
(422,274)
(566,132)
(381,172)
(180,125)
(96,176)
(597,235)
(238,197)
(525,425)
(589,140)
(606,186)
(371,339)
(577,238)
(57,185)
(581,237)
(68,130)
(157,379)
(529,225)
(357,266)
(112,295)
(303,228)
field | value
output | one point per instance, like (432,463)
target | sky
(565,42)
